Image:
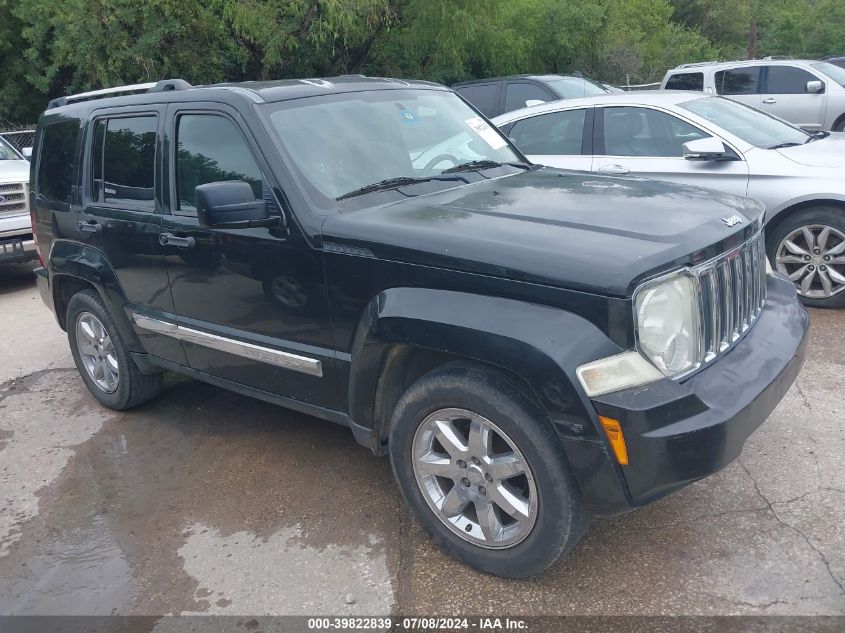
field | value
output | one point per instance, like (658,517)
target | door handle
(168,239)
(617,170)
(89,227)
(770,100)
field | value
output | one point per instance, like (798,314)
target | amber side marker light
(617,440)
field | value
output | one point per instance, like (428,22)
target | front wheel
(485,472)
(809,248)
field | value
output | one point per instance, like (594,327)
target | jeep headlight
(667,316)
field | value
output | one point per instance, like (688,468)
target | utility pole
(752,40)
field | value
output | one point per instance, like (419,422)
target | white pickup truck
(16,243)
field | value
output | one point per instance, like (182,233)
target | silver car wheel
(813,256)
(97,352)
(474,478)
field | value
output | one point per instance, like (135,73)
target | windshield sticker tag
(487,133)
(408,117)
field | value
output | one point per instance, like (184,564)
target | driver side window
(643,132)
(211,149)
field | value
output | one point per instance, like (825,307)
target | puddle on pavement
(200,501)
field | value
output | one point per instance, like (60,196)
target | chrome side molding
(267,355)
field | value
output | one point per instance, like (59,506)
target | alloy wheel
(97,352)
(474,478)
(813,256)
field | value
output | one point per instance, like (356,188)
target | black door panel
(121,213)
(262,286)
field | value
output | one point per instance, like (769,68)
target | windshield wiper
(482,164)
(472,166)
(393,183)
(782,145)
(814,136)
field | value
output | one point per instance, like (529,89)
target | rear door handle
(770,100)
(168,239)
(89,227)
(617,170)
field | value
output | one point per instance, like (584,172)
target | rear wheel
(102,358)
(839,126)
(485,472)
(809,248)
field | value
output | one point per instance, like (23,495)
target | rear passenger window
(211,149)
(482,96)
(788,80)
(739,81)
(521,95)
(56,161)
(686,81)
(123,157)
(556,133)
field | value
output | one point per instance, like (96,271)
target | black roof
(177,90)
(545,77)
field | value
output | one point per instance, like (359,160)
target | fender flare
(804,201)
(69,258)
(539,344)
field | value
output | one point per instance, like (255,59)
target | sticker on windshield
(408,116)
(487,133)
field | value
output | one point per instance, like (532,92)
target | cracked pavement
(204,501)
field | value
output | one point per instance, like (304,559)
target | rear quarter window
(57,161)
(686,81)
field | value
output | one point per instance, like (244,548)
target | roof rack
(152,86)
(777,58)
(696,64)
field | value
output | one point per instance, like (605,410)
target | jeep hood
(575,230)
(825,152)
(14,171)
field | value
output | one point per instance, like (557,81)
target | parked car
(707,141)
(504,94)
(836,61)
(16,243)
(532,347)
(808,93)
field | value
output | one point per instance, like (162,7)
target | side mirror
(27,152)
(533,102)
(815,87)
(231,204)
(709,148)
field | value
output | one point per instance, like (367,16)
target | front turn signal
(613,430)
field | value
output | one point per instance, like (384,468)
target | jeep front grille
(733,291)
(13,199)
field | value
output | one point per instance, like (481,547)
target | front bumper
(17,249)
(678,432)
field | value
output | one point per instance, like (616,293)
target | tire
(839,126)
(86,313)
(526,547)
(793,253)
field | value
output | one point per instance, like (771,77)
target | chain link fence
(19,138)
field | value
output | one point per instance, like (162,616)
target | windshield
(831,70)
(574,87)
(342,143)
(6,152)
(750,125)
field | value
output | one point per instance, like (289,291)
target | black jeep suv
(532,347)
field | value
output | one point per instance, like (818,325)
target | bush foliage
(50,48)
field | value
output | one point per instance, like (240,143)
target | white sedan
(712,142)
